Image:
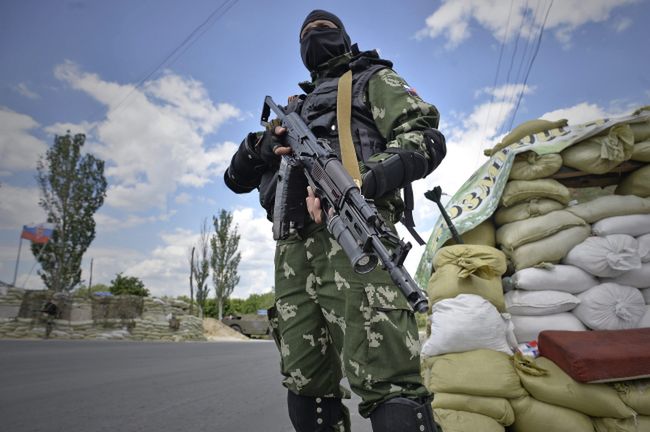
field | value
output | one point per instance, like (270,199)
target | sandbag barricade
(594,196)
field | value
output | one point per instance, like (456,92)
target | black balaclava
(322,44)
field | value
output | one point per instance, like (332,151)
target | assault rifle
(354,222)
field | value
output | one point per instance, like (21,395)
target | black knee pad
(401,414)
(314,414)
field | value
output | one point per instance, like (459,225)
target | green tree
(200,266)
(82,290)
(73,188)
(225,258)
(129,285)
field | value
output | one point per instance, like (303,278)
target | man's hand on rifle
(272,146)
(313,206)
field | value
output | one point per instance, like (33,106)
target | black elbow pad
(246,168)
(394,172)
(436,147)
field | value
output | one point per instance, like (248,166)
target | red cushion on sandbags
(600,355)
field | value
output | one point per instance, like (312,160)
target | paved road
(93,386)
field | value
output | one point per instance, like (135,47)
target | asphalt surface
(93,386)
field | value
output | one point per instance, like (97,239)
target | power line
(530,65)
(183,46)
(496,74)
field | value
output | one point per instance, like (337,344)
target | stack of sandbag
(558,402)
(539,222)
(472,390)
(466,357)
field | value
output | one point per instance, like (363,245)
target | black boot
(315,414)
(403,415)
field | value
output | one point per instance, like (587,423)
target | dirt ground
(215,330)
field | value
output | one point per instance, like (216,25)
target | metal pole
(20,245)
(90,280)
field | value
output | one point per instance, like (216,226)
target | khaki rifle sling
(343,118)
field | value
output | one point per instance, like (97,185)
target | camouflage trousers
(331,322)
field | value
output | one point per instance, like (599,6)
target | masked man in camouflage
(329,321)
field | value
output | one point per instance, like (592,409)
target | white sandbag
(644,247)
(646,295)
(610,306)
(560,277)
(527,328)
(634,225)
(465,323)
(645,320)
(608,206)
(607,257)
(535,303)
(637,278)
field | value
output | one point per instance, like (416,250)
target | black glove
(436,146)
(267,143)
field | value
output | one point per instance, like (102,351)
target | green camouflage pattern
(330,322)
(399,113)
(479,196)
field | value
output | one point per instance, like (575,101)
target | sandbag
(517,191)
(644,247)
(602,153)
(635,394)
(447,282)
(528,328)
(465,323)
(610,307)
(515,234)
(637,278)
(479,373)
(531,166)
(634,225)
(560,277)
(645,320)
(498,409)
(557,388)
(535,303)
(636,183)
(484,261)
(525,210)
(483,234)
(534,416)
(641,151)
(641,131)
(464,421)
(524,129)
(468,269)
(606,257)
(613,205)
(646,295)
(549,250)
(637,424)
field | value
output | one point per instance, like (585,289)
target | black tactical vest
(318,110)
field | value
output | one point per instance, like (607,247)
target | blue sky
(166,115)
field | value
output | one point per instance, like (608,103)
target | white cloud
(24,90)
(19,150)
(183,198)
(154,138)
(106,223)
(165,269)
(454,18)
(18,207)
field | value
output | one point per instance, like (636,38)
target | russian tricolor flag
(40,233)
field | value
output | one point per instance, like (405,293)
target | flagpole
(20,245)
(34,265)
